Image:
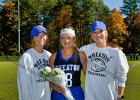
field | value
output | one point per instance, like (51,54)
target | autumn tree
(58,13)
(117,28)
(62,19)
(8,20)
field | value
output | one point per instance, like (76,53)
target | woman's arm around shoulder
(51,60)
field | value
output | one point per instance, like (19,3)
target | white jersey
(107,69)
(30,85)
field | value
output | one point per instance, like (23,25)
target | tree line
(123,25)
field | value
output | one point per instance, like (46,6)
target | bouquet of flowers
(58,77)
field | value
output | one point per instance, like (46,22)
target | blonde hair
(76,52)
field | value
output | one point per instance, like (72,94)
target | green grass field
(132,91)
(8,83)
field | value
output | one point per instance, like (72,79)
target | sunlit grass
(8,82)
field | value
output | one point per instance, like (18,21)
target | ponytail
(76,53)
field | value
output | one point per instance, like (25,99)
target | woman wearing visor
(71,61)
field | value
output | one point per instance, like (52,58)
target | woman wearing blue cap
(107,67)
(30,85)
(71,61)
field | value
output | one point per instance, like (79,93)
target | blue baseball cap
(97,25)
(38,29)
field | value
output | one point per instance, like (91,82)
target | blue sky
(113,4)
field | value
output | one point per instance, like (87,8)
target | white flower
(46,72)
(58,77)
(47,69)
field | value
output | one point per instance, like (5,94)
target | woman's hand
(119,99)
(56,88)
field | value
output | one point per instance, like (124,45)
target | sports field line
(131,67)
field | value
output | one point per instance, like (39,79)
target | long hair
(76,52)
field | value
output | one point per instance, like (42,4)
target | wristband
(121,97)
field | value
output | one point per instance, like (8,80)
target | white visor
(67,31)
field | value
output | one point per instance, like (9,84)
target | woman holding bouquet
(30,85)
(71,61)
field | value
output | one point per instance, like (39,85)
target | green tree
(91,11)
(30,13)
(129,8)
(78,13)
(136,30)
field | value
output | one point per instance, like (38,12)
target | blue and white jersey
(71,67)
